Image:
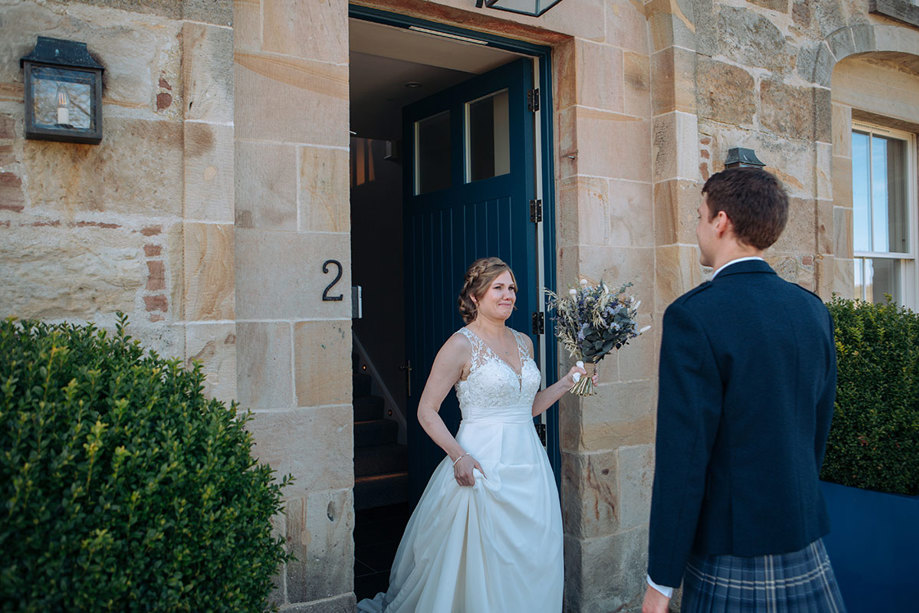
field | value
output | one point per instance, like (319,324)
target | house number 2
(325,270)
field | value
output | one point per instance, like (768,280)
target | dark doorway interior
(390,67)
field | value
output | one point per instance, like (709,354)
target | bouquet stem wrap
(585,385)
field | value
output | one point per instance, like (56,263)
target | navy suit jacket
(747,385)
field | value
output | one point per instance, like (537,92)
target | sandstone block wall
(143,222)
(292,214)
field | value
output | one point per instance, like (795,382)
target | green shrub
(874,439)
(123,487)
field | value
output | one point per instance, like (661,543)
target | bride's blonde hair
(479,276)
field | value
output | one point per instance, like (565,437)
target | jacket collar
(745,267)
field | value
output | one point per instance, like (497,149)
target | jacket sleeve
(827,400)
(688,415)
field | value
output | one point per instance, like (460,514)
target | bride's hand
(462,470)
(569,379)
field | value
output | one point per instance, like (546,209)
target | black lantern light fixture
(534,8)
(739,157)
(63,92)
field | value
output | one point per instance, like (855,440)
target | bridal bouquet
(591,321)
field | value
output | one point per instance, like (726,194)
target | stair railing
(389,403)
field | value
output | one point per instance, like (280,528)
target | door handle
(407,368)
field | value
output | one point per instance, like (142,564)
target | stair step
(380,459)
(375,432)
(368,408)
(361,383)
(380,490)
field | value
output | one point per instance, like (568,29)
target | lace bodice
(493,391)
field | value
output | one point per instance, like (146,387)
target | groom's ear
(723,223)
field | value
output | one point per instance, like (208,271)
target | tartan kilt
(798,582)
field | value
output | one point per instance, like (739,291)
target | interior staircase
(380,462)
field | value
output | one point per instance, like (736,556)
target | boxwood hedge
(123,487)
(874,438)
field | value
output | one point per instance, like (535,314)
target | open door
(469,178)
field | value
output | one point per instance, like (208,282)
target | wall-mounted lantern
(534,8)
(742,158)
(63,92)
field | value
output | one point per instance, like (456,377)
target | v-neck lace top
(494,392)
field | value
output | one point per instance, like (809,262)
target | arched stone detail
(816,64)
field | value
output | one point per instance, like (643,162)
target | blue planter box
(873,545)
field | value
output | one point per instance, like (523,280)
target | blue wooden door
(469,178)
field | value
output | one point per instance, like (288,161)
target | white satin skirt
(495,547)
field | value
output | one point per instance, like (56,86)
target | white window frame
(908,267)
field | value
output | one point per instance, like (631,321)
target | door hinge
(541,431)
(539,322)
(536,211)
(533,100)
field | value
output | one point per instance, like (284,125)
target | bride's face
(498,300)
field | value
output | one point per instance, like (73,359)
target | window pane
(897,217)
(861,219)
(860,278)
(876,278)
(886,280)
(432,153)
(879,194)
(487,137)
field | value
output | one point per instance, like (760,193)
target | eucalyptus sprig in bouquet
(591,321)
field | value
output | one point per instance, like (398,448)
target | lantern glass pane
(526,7)
(62,98)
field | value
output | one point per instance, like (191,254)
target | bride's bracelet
(458,459)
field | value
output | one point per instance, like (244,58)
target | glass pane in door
(432,153)
(488,152)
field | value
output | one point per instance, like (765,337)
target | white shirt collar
(746,259)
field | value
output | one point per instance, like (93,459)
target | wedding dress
(495,547)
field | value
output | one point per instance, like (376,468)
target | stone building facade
(223,180)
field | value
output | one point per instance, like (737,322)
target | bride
(486,536)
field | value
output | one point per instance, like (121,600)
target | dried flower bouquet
(590,321)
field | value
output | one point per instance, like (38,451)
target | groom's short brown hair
(753,199)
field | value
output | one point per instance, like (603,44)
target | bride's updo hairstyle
(478,277)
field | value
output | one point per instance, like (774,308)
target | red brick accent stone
(159,302)
(156,275)
(151,230)
(152,251)
(11,197)
(163,100)
(8,179)
(96,224)
(7,127)
(7,156)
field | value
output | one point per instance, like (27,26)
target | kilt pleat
(797,582)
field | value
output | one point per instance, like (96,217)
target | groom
(747,384)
